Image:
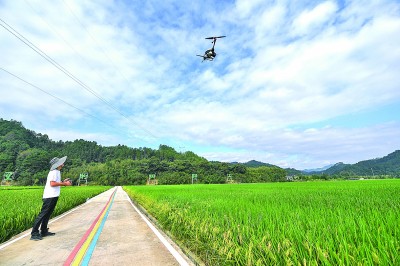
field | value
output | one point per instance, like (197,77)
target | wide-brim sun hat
(56,162)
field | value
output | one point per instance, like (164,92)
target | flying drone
(210,53)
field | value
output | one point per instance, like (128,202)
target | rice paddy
(20,205)
(308,223)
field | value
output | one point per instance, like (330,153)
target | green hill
(255,164)
(387,165)
(27,153)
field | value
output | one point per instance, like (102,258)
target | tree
(29,162)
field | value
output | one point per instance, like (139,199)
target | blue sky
(297,84)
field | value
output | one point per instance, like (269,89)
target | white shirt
(49,191)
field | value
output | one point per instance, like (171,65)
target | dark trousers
(44,216)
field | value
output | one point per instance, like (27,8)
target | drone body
(210,53)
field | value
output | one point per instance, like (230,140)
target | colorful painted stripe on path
(82,252)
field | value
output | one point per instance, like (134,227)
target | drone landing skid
(206,58)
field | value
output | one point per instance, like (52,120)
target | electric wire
(58,98)
(49,59)
(103,51)
(66,72)
(90,35)
(65,41)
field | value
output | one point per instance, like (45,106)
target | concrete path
(123,238)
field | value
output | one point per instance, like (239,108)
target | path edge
(170,238)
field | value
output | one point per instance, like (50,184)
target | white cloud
(247,8)
(308,148)
(314,19)
(281,65)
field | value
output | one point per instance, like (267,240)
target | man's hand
(67,182)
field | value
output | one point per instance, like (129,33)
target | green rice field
(20,205)
(298,223)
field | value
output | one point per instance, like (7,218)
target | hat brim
(58,163)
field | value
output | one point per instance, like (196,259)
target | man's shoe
(47,234)
(36,237)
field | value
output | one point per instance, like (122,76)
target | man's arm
(66,182)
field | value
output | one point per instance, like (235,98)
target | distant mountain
(317,169)
(292,171)
(329,170)
(336,168)
(387,165)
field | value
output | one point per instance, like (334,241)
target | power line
(48,93)
(65,41)
(83,26)
(49,59)
(66,72)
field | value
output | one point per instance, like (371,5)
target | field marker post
(152,180)
(194,177)
(83,177)
(7,177)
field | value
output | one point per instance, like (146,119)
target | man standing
(50,196)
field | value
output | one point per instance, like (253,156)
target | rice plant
(310,223)
(20,206)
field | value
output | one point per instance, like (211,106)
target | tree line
(27,154)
